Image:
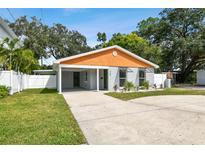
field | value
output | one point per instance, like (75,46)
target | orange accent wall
(106,58)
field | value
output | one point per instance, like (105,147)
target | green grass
(171,91)
(38,116)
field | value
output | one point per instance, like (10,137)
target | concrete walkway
(149,120)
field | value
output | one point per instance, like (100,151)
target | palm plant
(7,49)
(129,86)
(13,57)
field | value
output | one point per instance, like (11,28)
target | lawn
(38,116)
(171,91)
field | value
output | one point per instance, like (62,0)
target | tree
(102,38)
(33,34)
(16,58)
(180,34)
(45,41)
(137,45)
(7,49)
(63,43)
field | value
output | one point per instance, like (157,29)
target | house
(5,31)
(103,69)
(200,77)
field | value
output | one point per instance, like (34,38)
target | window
(141,76)
(122,76)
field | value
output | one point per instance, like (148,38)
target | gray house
(5,31)
(103,69)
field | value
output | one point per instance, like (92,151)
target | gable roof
(105,49)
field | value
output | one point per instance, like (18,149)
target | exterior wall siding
(67,79)
(113,78)
(150,76)
(83,81)
(133,75)
(4,34)
(92,80)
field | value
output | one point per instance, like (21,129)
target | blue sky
(88,21)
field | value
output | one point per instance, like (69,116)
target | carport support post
(97,79)
(59,80)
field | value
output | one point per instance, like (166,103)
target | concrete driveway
(149,120)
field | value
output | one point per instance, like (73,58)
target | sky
(87,21)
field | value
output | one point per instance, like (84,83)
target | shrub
(145,84)
(191,78)
(4,91)
(128,86)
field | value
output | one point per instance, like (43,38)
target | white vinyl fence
(41,81)
(160,80)
(19,81)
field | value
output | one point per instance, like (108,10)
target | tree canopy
(137,45)
(180,34)
(33,33)
(63,43)
(101,37)
(44,41)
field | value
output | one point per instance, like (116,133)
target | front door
(76,79)
(105,79)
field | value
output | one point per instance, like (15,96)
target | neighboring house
(200,77)
(5,31)
(175,76)
(103,69)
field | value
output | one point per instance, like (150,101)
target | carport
(82,77)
